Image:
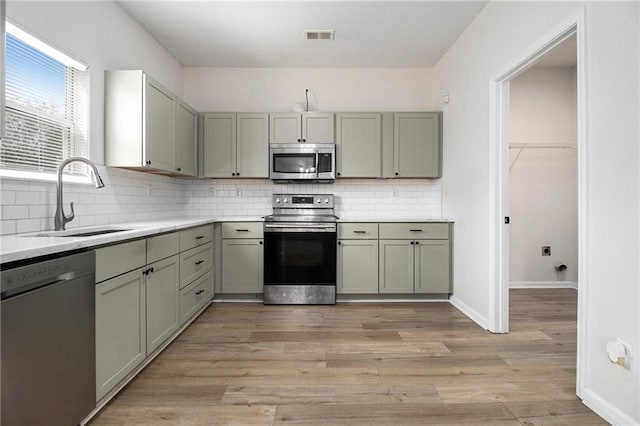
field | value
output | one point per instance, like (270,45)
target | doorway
(499,117)
(542,177)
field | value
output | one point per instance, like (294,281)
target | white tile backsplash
(134,196)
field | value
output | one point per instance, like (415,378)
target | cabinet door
(219,145)
(120,329)
(432,266)
(285,128)
(163,308)
(357,266)
(253,146)
(242,266)
(159,131)
(186,139)
(396,266)
(417,144)
(317,127)
(358,143)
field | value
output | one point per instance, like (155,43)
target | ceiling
(368,34)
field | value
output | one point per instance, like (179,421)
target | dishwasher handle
(36,275)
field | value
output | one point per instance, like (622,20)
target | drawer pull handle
(242,230)
(199,262)
(200,291)
(199,237)
(416,230)
(359,232)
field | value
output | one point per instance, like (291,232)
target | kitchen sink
(86,232)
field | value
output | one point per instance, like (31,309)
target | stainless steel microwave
(302,162)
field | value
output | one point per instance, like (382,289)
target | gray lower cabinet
(396,266)
(120,329)
(142,298)
(242,265)
(432,265)
(357,258)
(241,257)
(357,266)
(417,260)
(163,309)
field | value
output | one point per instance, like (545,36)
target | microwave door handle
(317,164)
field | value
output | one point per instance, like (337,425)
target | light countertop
(25,246)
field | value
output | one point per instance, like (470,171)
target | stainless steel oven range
(300,250)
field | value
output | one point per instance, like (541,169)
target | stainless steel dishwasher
(48,341)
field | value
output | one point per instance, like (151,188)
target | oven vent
(319,34)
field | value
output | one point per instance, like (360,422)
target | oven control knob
(326,201)
(286,201)
(319,201)
(277,200)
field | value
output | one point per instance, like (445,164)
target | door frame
(499,175)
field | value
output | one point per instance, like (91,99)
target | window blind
(46,112)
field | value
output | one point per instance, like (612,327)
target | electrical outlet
(546,250)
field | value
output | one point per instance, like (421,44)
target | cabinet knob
(417,242)
(397,173)
(199,262)
(200,291)
(261,243)
(412,243)
(339,243)
(299,140)
(148,162)
(237,174)
(338,173)
(179,168)
(304,140)
(233,174)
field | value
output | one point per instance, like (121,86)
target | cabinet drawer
(195,262)
(414,231)
(162,246)
(358,231)
(190,238)
(242,230)
(195,296)
(120,258)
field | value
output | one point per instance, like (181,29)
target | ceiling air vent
(319,34)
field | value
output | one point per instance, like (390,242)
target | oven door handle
(298,227)
(317,165)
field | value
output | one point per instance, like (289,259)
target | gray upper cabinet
(358,143)
(252,148)
(236,145)
(142,127)
(305,127)
(186,139)
(413,149)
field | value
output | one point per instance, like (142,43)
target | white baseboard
(468,311)
(543,284)
(605,410)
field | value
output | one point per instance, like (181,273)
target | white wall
(494,41)
(543,178)
(330,89)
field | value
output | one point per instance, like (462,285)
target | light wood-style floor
(363,364)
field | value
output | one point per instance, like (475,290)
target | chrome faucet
(60,219)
